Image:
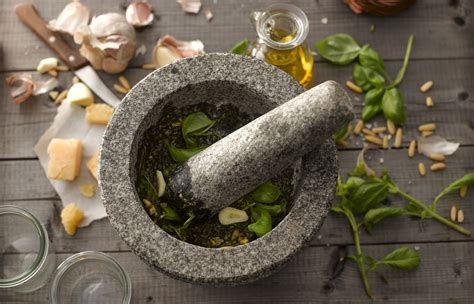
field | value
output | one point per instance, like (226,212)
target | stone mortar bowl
(254,87)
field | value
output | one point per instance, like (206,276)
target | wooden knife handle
(70,56)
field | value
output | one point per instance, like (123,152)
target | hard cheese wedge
(64,159)
(71,216)
(93,165)
(99,113)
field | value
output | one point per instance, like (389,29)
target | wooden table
(443,52)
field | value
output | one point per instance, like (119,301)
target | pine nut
(454,213)
(463,191)
(120,89)
(427,127)
(437,157)
(61,97)
(358,127)
(438,166)
(411,148)
(368,132)
(353,87)
(426,86)
(75,80)
(460,216)
(62,68)
(391,127)
(426,133)
(124,82)
(53,73)
(53,95)
(148,66)
(385,144)
(422,169)
(374,139)
(379,130)
(398,138)
(429,102)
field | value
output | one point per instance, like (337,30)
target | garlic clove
(72,17)
(80,94)
(139,13)
(161,183)
(165,56)
(168,49)
(230,215)
(47,64)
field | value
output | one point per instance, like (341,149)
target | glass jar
(27,260)
(281,31)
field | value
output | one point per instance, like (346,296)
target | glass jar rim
(42,251)
(292,9)
(96,255)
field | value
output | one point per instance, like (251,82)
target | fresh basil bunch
(381,93)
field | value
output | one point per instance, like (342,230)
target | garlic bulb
(379,7)
(168,50)
(108,42)
(139,13)
(72,17)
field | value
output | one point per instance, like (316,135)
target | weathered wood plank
(442,30)
(444,276)
(21,126)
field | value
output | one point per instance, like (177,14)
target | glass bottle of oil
(281,31)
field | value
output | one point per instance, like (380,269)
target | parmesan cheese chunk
(99,113)
(64,159)
(71,216)
(93,165)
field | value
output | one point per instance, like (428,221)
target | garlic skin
(72,17)
(168,50)
(139,13)
(190,6)
(23,86)
(108,43)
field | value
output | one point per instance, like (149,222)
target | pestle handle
(246,158)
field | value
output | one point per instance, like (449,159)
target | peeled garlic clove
(72,17)
(230,215)
(161,183)
(164,56)
(47,64)
(139,13)
(80,94)
(168,49)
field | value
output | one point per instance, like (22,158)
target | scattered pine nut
(463,191)
(374,139)
(438,166)
(148,66)
(411,148)
(454,213)
(398,138)
(61,97)
(368,132)
(379,130)
(426,86)
(353,87)
(426,133)
(429,102)
(460,216)
(124,82)
(437,157)
(62,68)
(53,73)
(391,127)
(427,127)
(359,126)
(75,80)
(385,142)
(422,169)
(53,95)
(120,89)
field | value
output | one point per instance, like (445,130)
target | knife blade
(27,13)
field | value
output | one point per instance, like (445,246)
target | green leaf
(366,78)
(373,216)
(241,47)
(191,217)
(402,258)
(466,180)
(339,49)
(367,195)
(180,155)
(339,135)
(266,193)
(392,106)
(263,221)
(371,59)
(402,71)
(372,103)
(274,210)
(169,213)
(195,124)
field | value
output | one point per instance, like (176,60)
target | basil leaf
(403,69)
(392,106)
(195,124)
(401,258)
(372,103)
(266,193)
(339,135)
(169,213)
(371,59)
(273,209)
(180,155)
(338,49)
(241,47)
(263,221)
(373,216)
(367,195)
(366,78)
(466,180)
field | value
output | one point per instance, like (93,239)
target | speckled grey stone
(246,158)
(209,77)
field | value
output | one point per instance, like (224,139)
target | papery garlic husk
(361,160)
(379,7)
(190,6)
(168,50)
(139,13)
(108,43)
(23,86)
(435,145)
(72,17)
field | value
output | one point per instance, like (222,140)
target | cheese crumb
(93,165)
(99,113)
(64,159)
(71,216)
(87,190)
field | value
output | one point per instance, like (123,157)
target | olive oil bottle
(281,31)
